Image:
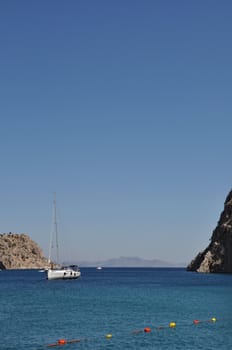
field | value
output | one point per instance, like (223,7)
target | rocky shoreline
(19,251)
(217,257)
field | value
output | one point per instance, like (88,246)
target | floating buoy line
(172,325)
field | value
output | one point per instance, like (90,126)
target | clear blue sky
(124,109)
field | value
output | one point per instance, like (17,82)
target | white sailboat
(56,271)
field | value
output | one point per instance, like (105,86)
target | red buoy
(147,330)
(62,341)
(196,321)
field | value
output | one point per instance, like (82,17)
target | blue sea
(110,308)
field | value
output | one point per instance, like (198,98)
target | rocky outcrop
(2,267)
(19,251)
(217,257)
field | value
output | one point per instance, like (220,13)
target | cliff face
(217,257)
(18,251)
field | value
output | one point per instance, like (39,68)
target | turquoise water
(35,312)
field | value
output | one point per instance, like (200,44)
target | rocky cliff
(217,257)
(19,251)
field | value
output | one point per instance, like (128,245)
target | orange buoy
(147,329)
(63,342)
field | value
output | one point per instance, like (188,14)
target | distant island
(130,262)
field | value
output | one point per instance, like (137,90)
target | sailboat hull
(64,273)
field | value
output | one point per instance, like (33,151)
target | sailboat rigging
(56,271)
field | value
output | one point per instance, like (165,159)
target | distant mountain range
(129,262)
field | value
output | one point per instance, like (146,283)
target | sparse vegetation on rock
(19,251)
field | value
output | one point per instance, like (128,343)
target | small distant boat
(99,268)
(55,271)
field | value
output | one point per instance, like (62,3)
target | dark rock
(2,267)
(217,257)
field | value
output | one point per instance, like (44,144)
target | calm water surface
(35,313)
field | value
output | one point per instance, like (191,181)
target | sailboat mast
(54,234)
(50,245)
(56,228)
